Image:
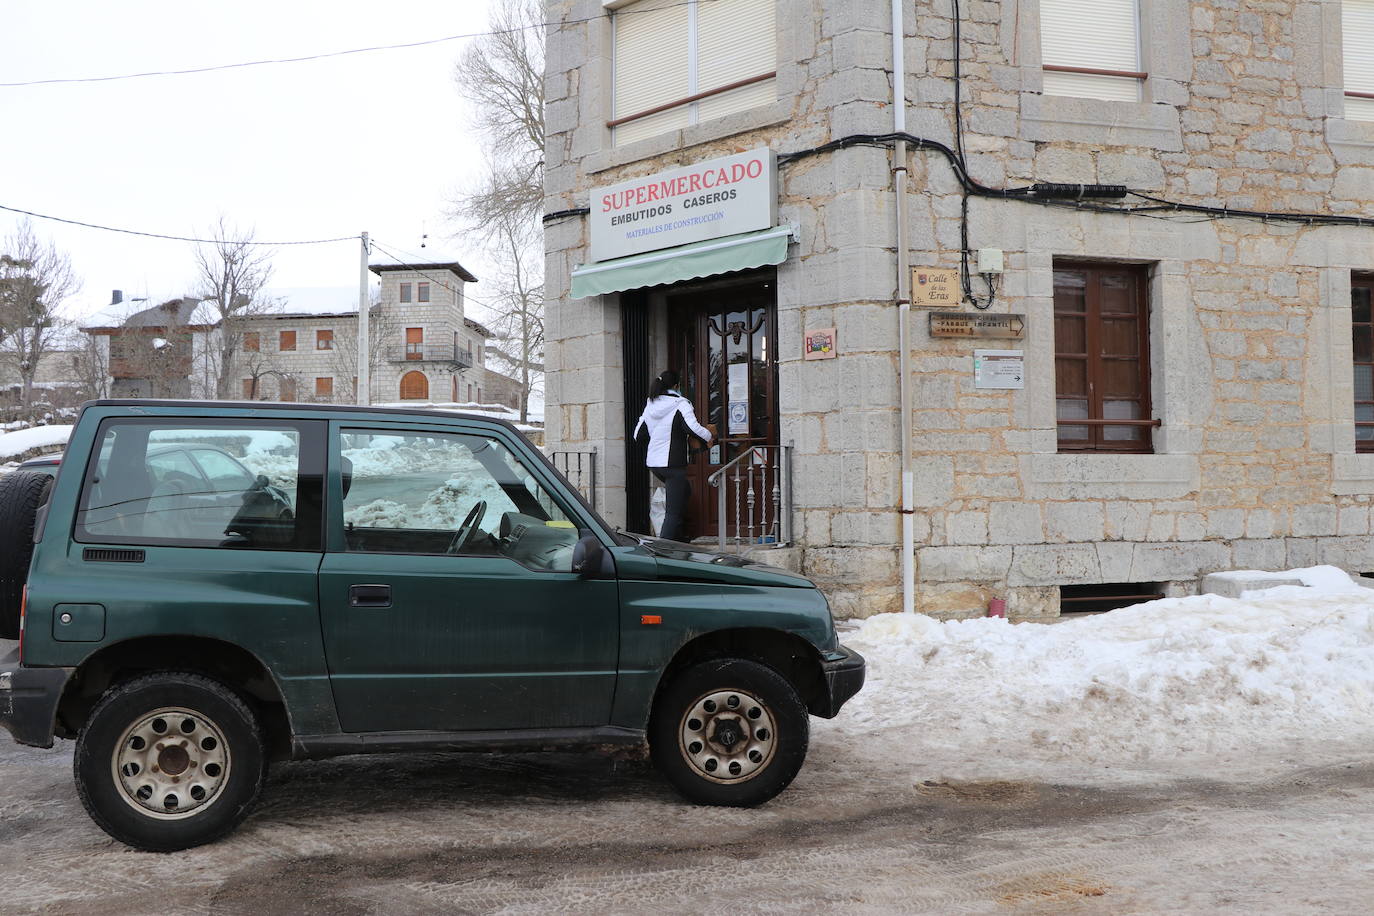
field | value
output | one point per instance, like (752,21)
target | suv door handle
(369,596)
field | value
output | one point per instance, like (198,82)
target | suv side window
(448,493)
(184,483)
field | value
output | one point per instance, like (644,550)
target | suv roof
(296,406)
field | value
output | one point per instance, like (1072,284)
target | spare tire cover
(21,494)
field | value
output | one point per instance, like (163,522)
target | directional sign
(976,324)
(999,369)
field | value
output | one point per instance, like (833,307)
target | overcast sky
(311,150)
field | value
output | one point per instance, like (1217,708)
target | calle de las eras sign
(708,200)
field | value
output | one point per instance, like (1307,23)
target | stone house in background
(424,349)
(1116,334)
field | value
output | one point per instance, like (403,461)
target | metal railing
(425,353)
(754,498)
(580,469)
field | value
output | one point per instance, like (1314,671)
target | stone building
(1122,305)
(424,347)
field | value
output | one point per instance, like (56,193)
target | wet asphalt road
(863,830)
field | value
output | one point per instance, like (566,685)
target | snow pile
(443,509)
(23,440)
(1179,678)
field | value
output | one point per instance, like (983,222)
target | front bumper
(843,674)
(28,700)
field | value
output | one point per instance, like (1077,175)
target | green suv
(214,586)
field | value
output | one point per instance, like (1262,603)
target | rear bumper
(843,675)
(28,700)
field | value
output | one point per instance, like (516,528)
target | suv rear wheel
(168,761)
(729,732)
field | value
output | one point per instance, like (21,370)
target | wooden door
(724,343)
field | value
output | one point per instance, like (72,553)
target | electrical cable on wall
(965,274)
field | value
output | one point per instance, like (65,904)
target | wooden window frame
(403,293)
(287,389)
(324,386)
(1361,282)
(324,339)
(422,292)
(282,338)
(252,342)
(415,348)
(1095,422)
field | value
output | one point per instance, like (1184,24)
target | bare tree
(232,273)
(383,329)
(35,279)
(151,355)
(91,365)
(518,346)
(502,74)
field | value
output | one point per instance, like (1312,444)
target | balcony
(425,353)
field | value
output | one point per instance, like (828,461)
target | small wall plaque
(935,288)
(999,369)
(820,344)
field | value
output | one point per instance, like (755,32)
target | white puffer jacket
(664,426)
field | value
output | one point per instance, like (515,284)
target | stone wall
(1254,462)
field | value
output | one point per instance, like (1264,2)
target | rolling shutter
(1357,31)
(1092,34)
(651,66)
(736,40)
(668,50)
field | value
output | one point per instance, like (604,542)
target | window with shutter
(1357,31)
(679,63)
(1091,49)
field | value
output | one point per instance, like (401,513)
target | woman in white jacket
(663,428)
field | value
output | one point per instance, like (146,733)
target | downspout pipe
(899,170)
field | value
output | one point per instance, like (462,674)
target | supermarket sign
(708,200)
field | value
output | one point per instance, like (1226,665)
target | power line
(174,238)
(328,54)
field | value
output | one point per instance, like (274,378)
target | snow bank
(21,441)
(1184,677)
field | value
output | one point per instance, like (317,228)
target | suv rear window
(191,484)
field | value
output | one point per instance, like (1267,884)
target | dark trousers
(679,490)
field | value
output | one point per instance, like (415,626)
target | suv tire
(729,732)
(21,494)
(169,760)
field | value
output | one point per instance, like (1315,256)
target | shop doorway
(722,338)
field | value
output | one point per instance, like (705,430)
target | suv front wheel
(170,760)
(729,732)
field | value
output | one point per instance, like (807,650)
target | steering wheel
(469,525)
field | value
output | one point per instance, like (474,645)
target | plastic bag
(658,507)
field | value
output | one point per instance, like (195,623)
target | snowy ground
(1197,755)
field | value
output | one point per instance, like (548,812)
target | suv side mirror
(590,560)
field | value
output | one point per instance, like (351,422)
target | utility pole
(364,347)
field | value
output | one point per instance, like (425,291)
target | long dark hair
(667,379)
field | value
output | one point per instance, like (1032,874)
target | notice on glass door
(738,412)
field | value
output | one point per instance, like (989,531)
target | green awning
(685,262)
